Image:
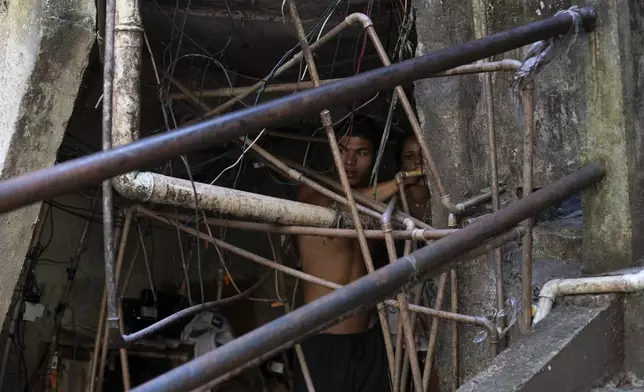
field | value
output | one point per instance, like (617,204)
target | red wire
(359,62)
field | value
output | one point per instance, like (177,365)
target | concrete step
(579,346)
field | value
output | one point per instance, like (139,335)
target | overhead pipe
(77,173)
(368,290)
(508,65)
(234,91)
(627,283)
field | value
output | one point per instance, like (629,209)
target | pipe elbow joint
(550,290)
(400,177)
(409,224)
(136,186)
(363,19)
(455,209)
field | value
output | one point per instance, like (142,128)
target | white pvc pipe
(596,285)
(157,188)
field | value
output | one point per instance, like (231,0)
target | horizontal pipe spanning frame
(415,234)
(368,290)
(81,172)
(506,65)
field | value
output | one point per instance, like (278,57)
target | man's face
(357,156)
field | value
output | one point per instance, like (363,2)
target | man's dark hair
(366,128)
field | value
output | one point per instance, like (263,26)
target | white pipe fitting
(596,285)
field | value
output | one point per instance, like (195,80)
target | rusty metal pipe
(480,199)
(101,329)
(234,91)
(368,290)
(494,180)
(113,335)
(528,136)
(408,234)
(433,334)
(506,65)
(482,249)
(398,354)
(454,328)
(108,222)
(402,300)
(66,177)
(416,298)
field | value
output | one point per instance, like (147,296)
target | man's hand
(413,180)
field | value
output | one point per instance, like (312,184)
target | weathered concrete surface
(588,105)
(452,112)
(634,334)
(44,47)
(559,240)
(574,349)
(613,211)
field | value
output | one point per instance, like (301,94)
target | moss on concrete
(607,215)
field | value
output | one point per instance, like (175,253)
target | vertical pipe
(398,355)
(337,158)
(528,113)
(125,367)
(102,348)
(494,180)
(454,328)
(407,251)
(403,311)
(106,333)
(125,282)
(17,310)
(108,224)
(429,359)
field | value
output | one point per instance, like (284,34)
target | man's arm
(385,190)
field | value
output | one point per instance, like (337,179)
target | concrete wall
(588,105)
(44,46)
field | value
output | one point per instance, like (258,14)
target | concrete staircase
(587,343)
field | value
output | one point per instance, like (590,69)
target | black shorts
(345,363)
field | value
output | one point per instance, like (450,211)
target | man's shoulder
(306,194)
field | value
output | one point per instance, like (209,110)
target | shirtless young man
(349,356)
